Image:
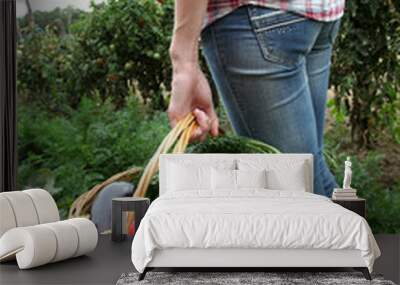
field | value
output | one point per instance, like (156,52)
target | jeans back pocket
(284,37)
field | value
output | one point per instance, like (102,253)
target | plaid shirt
(320,10)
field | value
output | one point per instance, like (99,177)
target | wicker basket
(178,137)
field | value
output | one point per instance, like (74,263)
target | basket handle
(179,136)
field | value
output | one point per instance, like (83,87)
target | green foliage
(48,60)
(366,68)
(382,195)
(125,40)
(383,203)
(57,19)
(68,155)
(47,70)
(119,41)
(231,144)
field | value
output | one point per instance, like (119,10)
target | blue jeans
(271,69)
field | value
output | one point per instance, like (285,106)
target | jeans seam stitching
(265,50)
(219,54)
(267,15)
(283,24)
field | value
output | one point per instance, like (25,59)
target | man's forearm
(189,16)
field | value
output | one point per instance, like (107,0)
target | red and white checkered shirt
(320,10)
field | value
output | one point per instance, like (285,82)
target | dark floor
(389,263)
(103,266)
(111,259)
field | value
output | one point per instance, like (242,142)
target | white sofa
(31,231)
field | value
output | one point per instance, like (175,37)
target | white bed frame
(251,258)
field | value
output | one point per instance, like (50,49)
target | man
(270,61)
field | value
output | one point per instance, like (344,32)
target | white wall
(48,5)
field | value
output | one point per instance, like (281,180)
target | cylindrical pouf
(35,245)
(87,234)
(23,208)
(41,244)
(67,240)
(7,218)
(26,208)
(45,205)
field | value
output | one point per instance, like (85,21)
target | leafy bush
(231,144)
(57,19)
(48,60)
(48,74)
(383,203)
(125,40)
(382,195)
(366,68)
(119,41)
(67,155)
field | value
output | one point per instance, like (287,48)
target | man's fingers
(205,123)
(214,123)
(196,134)
(202,120)
(214,127)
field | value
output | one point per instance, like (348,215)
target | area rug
(243,278)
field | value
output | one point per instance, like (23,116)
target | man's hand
(190,89)
(191,93)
